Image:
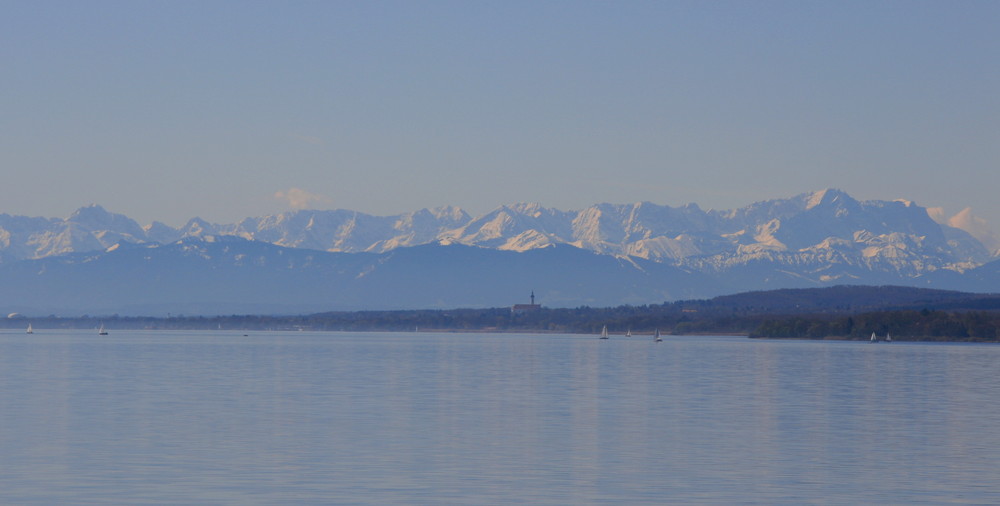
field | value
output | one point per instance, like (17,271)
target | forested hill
(855,312)
(851,299)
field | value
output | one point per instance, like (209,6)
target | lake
(163,417)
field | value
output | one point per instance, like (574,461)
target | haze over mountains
(97,261)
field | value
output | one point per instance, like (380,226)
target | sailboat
(30,330)
(101,331)
(604,332)
(873,339)
(656,336)
(628,333)
(888,337)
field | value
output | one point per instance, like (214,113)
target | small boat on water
(656,336)
(604,332)
(888,337)
(628,333)
(873,339)
(102,331)
(30,330)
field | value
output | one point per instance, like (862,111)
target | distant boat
(656,336)
(873,339)
(30,330)
(628,333)
(101,331)
(888,337)
(604,332)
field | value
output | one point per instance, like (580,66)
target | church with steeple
(525,308)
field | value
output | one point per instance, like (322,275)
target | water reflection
(423,418)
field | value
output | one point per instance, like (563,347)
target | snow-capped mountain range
(814,239)
(827,224)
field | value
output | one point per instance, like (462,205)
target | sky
(167,110)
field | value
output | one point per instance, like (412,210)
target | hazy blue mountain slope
(606,254)
(226,275)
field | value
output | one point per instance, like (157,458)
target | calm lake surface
(421,418)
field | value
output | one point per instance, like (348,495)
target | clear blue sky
(167,110)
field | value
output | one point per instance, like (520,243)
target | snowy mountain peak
(197,227)
(95,217)
(452,213)
(532,209)
(827,224)
(811,239)
(826,197)
(89,211)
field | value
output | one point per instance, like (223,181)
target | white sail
(873,339)
(656,336)
(30,330)
(604,332)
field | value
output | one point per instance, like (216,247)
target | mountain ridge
(605,254)
(227,274)
(643,229)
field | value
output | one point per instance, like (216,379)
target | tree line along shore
(975,320)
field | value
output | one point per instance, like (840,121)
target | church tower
(524,308)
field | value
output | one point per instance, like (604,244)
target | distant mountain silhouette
(605,255)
